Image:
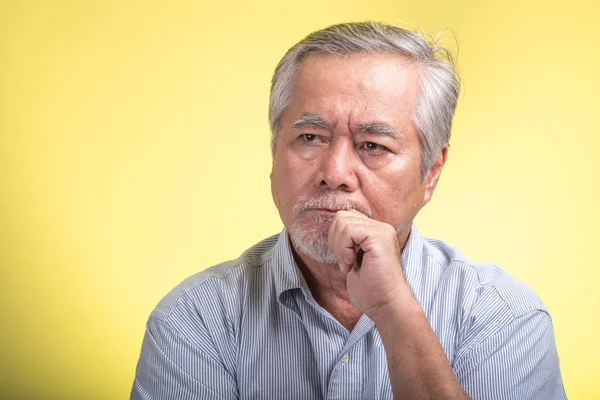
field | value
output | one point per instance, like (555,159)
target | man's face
(347,140)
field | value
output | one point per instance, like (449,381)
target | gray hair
(439,83)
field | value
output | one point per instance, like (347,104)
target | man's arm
(172,367)
(517,362)
(417,364)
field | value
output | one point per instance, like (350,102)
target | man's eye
(374,147)
(308,137)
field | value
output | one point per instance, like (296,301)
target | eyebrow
(379,129)
(310,120)
(313,120)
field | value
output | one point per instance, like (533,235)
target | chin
(309,236)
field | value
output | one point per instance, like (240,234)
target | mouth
(330,212)
(327,206)
(325,211)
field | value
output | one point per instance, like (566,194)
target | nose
(337,169)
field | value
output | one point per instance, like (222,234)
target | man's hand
(417,364)
(378,282)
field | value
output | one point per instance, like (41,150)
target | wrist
(401,307)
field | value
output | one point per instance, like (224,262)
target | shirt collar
(412,255)
(286,272)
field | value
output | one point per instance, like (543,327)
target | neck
(327,284)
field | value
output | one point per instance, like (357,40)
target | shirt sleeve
(172,367)
(517,362)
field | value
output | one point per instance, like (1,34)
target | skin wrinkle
(326,91)
(346,158)
(434,65)
(311,120)
(332,170)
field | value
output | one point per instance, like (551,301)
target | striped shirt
(250,329)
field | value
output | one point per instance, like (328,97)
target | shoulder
(215,291)
(191,340)
(485,283)
(493,327)
(482,297)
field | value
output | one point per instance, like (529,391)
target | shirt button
(344,359)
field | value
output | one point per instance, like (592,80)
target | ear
(434,173)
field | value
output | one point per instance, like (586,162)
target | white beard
(311,239)
(311,242)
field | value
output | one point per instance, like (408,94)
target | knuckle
(346,229)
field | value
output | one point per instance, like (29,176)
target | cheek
(395,196)
(287,182)
(279,187)
(294,173)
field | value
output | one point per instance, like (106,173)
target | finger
(345,259)
(345,268)
(340,220)
(345,235)
(352,213)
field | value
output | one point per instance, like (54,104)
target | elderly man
(350,301)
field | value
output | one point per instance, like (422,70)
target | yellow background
(134,151)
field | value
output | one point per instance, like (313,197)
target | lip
(324,211)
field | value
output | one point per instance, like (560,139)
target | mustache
(330,202)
